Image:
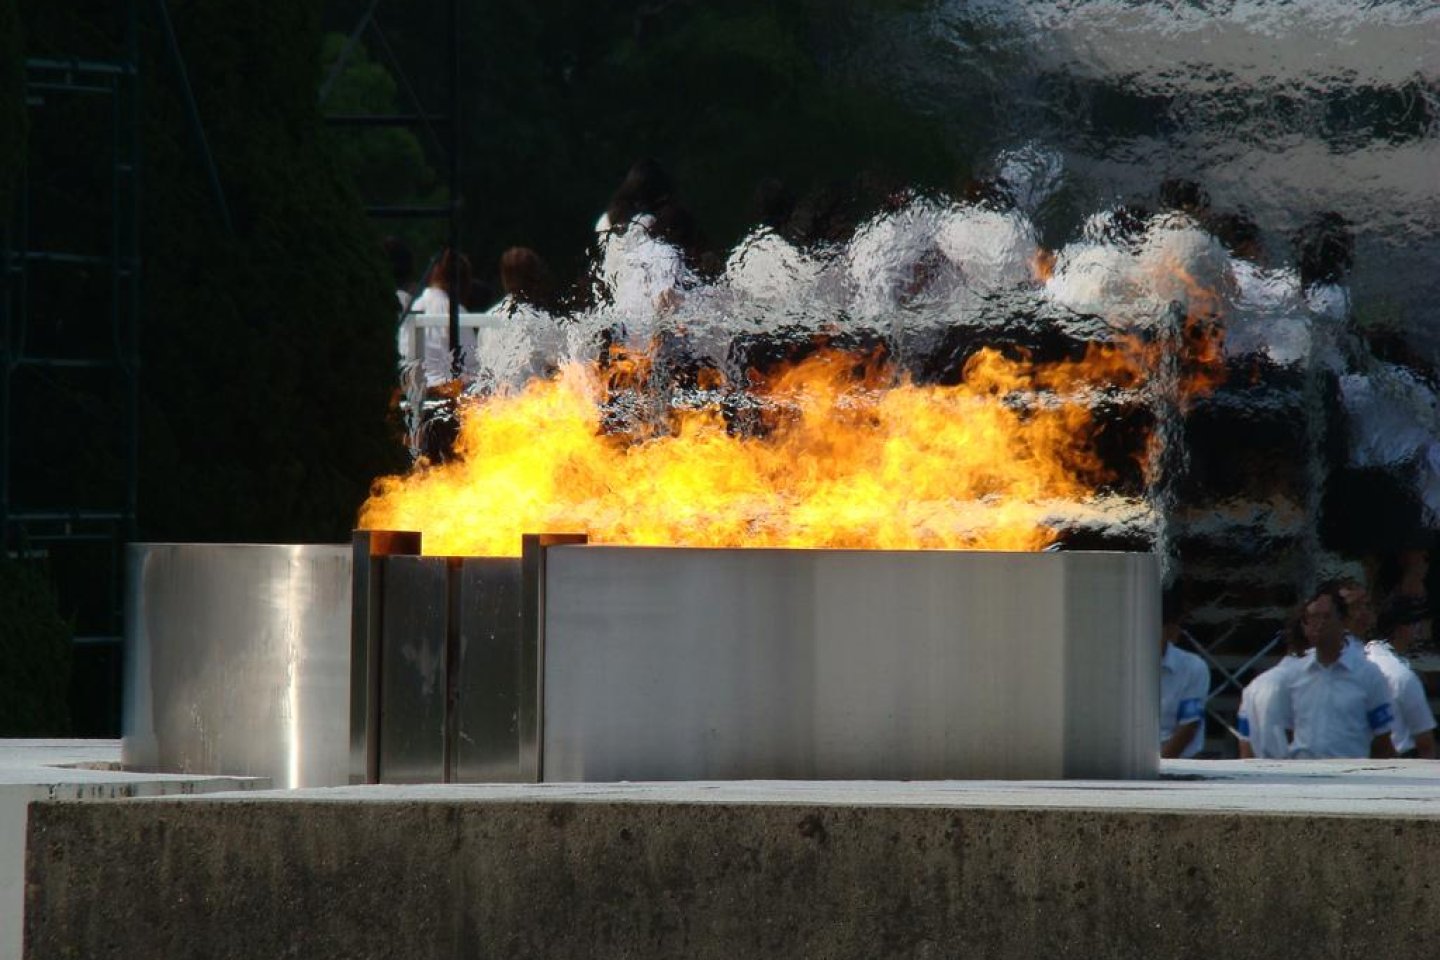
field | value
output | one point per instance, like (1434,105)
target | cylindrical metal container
(237,661)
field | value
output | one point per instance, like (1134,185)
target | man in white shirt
(1261,736)
(1184,683)
(1337,703)
(1405,620)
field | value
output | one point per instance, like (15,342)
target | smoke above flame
(841,453)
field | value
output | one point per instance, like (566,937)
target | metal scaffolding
(82,539)
(82,542)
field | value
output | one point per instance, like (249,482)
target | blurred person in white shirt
(432,353)
(1262,735)
(1184,685)
(521,338)
(1405,621)
(768,265)
(1337,703)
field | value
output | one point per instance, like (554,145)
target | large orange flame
(840,453)
(841,460)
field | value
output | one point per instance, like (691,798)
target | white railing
(432,330)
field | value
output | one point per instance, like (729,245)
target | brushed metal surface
(368,547)
(720,664)
(237,661)
(413,675)
(535,547)
(487,741)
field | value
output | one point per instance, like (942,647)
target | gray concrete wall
(87,770)
(458,879)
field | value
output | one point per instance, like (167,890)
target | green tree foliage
(388,165)
(35,649)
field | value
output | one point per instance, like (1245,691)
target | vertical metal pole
(192,113)
(130,358)
(456,363)
(125,276)
(16,317)
(351,42)
(6,367)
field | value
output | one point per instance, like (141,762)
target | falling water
(1268,114)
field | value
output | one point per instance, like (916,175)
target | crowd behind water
(914,267)
(1343,686)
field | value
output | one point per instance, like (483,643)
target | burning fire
(836,450)
(843,457)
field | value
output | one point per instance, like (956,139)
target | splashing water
(925,385)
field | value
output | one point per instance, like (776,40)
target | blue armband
(1190,710)
(1381,717)
(1242,726)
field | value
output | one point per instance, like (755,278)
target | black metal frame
(36,530)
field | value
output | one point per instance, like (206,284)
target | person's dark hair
(446,264)
(525,277)
(1402,610)
(1324,249)
(1237,232)
(1334,590)
(773,202)
(645,189)
(402,261)
(880,191)
(1186,196)
(1172,605)
(677,226)
(823,215)
(986,192)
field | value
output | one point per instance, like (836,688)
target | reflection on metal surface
(444,651)
(412,670)
(487,671)
(534,550)
(238,661)
(367,591)
(720,664)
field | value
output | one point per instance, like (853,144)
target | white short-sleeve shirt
(1335,711)
(1184,682)
(1257,723)
(1412,711)
(431,349)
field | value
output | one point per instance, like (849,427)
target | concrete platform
(88,770)
(1217,859)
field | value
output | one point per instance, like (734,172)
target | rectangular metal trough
(584,662)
